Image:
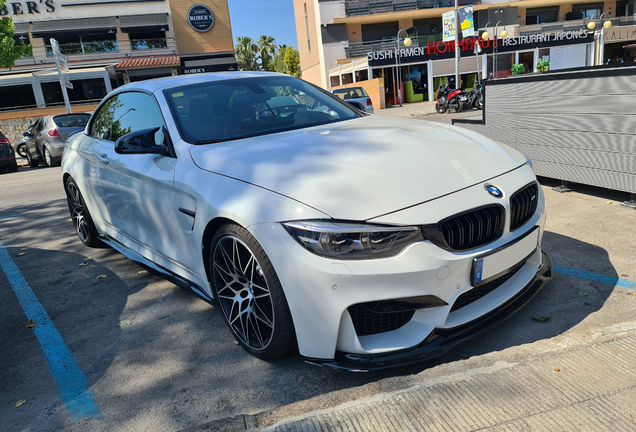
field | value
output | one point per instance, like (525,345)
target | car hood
(362,168)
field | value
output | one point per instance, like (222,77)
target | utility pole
(457,28)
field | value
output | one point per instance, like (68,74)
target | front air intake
(468,230)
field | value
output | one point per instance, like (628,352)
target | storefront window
(83,91)
(17,96)
(502,64)
(88,44)
(148,41)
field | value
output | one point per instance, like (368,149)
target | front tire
(249,294)
(32,163)
(479,103)
(440,109)
(82,221)
(48,158)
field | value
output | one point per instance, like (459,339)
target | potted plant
(543,65)
(517,69)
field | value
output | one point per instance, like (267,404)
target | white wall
(331,10)
(332,52)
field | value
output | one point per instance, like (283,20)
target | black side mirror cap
(26,134)
(140,142)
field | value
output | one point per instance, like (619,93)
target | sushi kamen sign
(467,45)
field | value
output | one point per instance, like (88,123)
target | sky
(254,18)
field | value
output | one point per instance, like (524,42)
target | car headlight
(350,240)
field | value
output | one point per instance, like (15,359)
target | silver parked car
(353,95)
(46,137)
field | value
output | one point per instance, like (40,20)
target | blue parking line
(611,280)
(70,380)
(10,216)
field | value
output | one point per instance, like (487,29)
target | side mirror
(140,142)
(26,134)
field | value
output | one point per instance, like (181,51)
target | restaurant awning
(74,27)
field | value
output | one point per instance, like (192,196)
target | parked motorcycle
(21,148)
(476,97)
(449,98)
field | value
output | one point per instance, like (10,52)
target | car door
(40,136)
(31,141)
(138,189)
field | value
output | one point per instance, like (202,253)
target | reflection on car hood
(359,169)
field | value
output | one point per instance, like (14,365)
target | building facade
(109,43)
(342,42)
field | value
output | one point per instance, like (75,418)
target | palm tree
(246,51)
(266,49)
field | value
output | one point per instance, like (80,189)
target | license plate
(490,266)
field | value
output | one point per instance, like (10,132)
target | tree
(279,59)
(266,49)
(9,50)
(292,62)
(246,51)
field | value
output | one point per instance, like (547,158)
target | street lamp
(599,36)
(485,36)
(407,42)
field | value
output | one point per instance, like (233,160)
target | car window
(350,93)
(103,119)
(39,125)
(136,111)
(237,108)
(125,113)
(71,120)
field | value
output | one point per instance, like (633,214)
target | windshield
(72,120)
(351,93)
(230,109)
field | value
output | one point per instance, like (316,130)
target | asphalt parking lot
(156,357)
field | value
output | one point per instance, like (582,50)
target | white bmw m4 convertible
(365,241)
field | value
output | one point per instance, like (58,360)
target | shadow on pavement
(177,366)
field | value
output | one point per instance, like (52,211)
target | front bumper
(441,340)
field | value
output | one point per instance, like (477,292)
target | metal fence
(575,126)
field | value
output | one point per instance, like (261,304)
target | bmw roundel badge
(494,191)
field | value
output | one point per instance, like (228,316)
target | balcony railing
(370,7)
(85,48)
(360,49)
(102,50)
(573,25)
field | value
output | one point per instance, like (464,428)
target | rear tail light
(369,103)
(4,141)
(53,133)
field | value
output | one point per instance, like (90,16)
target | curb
(448,372)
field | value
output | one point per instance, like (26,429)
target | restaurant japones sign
(440,50)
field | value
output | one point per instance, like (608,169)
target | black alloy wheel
(249,294)
(82,221)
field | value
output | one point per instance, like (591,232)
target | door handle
(103,158)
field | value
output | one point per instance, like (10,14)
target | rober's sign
(200,18)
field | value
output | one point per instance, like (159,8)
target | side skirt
(156,269)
